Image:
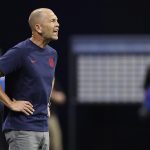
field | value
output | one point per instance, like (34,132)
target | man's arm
(49,103)
(19,106)
(53,82)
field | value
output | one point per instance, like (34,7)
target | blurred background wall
(96,126)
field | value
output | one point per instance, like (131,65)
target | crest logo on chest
(51,62)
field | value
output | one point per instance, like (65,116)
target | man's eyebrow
(53,18)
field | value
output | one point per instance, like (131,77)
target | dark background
(105,127)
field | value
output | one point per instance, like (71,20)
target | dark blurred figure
(144,114)
(144,111)
(58,98)
(3,143)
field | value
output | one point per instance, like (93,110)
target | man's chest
(40,66)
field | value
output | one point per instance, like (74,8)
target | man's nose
(57,24)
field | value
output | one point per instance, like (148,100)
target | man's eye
(53,20)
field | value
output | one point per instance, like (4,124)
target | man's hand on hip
(22,106)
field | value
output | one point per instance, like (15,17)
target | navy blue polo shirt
(29,71)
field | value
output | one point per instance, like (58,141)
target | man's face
(49,26)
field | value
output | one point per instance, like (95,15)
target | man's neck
(39,41)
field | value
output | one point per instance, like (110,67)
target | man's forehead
(49,14)
(52,17)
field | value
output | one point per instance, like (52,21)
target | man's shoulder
(22,47)
(22,44)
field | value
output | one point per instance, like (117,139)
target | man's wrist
(9,103)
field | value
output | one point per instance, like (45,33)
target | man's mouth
(56,30)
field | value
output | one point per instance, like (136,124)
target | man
(29,70)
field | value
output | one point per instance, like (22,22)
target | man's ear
(38,28)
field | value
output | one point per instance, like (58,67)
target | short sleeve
(11,60)
(56,57)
